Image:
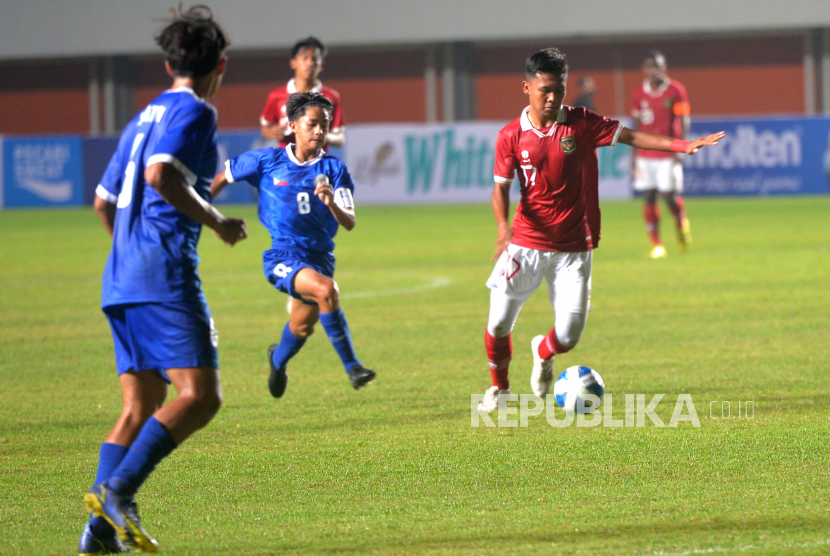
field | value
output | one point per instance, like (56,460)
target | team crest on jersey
(568,144)
(668,103)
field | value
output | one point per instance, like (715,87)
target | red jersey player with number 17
(661,106)
(557,223)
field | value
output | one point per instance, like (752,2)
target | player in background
(153,200)
(305,195)
(557,223)
(661,105)
(307,57)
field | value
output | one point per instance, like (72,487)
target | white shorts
(520,271)
(663,174)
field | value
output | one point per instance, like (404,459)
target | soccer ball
(572,386)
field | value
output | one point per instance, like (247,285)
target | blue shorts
(161,336)
(282,265)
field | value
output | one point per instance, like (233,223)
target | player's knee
(208,403)
(499,329)
(328,295)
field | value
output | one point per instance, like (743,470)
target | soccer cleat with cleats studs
(684,234)
(278,379)
(122,513)
(542,375)
(361,376)
(90,544)
(658,252)
(491,398)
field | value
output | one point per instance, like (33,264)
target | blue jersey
(153,257)
(288,208)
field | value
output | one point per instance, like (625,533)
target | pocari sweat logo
(746,147)
(40,168)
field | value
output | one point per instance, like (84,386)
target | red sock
(551,346)
(678,210)
(651,213)
(499,354)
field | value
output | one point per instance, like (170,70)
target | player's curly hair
(193,43)
(308,42)
(549,60)
(298,102)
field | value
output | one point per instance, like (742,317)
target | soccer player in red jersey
(661,106)
(307,58)
(557,223)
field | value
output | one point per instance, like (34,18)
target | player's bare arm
(344,216)
(220,181)
(501,208)
(106,212)
(171,185)
(645,140)
(273,131)
(337,138)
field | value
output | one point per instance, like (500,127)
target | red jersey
(660,111)
(559,176)
(274,111)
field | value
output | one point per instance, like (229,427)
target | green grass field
(396,468)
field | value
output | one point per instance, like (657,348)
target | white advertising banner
(446,163)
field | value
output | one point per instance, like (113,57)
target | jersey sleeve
(681,101)
(635,105)
(506,162)
(245,167)
(184,140)
(338,119)
(110,185)
(343,186)
(271,111)
(602,131)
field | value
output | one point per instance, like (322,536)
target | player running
(557,223)
(661,106)
(307,57)
(153,200)
(304,196)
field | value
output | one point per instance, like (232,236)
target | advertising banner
(445,163)
(42,172)
(761,157)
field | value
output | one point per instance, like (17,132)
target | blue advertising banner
(42,172)
(761,157)
(97,154)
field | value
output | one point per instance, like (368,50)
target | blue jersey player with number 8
(305,195)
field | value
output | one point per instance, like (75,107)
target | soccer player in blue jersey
(154,199)
(304,196)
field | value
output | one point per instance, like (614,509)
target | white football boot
(542,376)
(491,399)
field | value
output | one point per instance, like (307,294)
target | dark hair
(653,55)
(549,60)
(310,42)
(193,43)
(298,102)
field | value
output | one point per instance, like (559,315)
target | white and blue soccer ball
(573,387)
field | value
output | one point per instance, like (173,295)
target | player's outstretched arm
(218,184)
(645,140)
(106,212)
(501,207)
(336,138)
(344,216)
(173,188)
(274,132)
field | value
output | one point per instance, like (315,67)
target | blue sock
(153,444)
(108,459)
(289,346)
(337,329)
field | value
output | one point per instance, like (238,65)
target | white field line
(434,283)
(740,548)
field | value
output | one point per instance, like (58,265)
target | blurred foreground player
(661,106)
(305,195)
(153,199)
(307,58)
(557,223)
